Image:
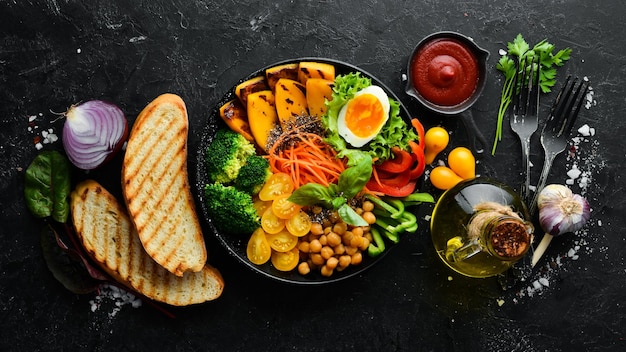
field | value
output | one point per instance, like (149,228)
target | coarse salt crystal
(32,118)
(39,146)
(574,173)
(502,52)
(544,281)
(536,285)
(584,130)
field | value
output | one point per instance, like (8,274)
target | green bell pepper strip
(417,198)
(385,206)
(378,245)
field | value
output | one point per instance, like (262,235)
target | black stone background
(59,52)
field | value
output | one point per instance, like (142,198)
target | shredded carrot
(307,158)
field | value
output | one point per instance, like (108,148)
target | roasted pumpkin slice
(273,74)
(290,100)
(236,117)
(262,116)
(245,88)
(318,90)
(311,69)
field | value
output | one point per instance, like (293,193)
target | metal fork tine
(557,108)
(577,98)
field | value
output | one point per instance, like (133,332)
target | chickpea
(357,258)
(357,231)
(303,246)
(333,217)
(332,262)
(367,205)
(340,228)
(340,249)
(326,271)
(351,250)
(323,240)
(315,246)
(347,237)
(317,228)
(327,230)
(317,209)
(366,243)
(369,217)
(359,211)
(327,252)
(356,242)
(333,239)
(344,261)
(303,268)
(317,259)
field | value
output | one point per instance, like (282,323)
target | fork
(523,119)
(556,130)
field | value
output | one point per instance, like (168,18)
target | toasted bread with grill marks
(156,190)
(110,239)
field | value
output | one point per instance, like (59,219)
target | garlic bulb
(560,210)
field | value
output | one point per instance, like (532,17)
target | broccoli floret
(226,154)
(231,210)
(253,174)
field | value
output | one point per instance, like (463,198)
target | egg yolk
(364,115)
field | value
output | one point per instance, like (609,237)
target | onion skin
(93,132)
(561,211)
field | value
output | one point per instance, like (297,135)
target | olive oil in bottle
(479,227)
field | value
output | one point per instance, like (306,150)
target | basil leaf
(347,214)
(338,202)
(47,186)
(353,179)
(311,194)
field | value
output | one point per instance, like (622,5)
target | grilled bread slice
(109,238)
(156,190)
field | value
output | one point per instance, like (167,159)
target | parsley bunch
(518,50)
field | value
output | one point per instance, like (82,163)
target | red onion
(93,132)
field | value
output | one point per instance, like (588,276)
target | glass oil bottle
(480,227)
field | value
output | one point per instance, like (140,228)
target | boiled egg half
(363,116)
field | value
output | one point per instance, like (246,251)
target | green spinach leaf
(47,186)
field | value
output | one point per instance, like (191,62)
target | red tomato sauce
(445,72)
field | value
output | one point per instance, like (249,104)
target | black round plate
(236,245)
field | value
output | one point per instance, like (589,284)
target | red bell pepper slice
(401,162)
(419,164)
(392,178)
(419,128)
(393,191)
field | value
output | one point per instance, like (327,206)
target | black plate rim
(267,270)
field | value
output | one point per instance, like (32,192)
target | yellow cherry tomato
(435,140)
(258,249)
(277,185)
(284,208)
(282,241)
(271,223)
(261,206)
(444,178)
(299,224)
(462,162)
(286,261)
